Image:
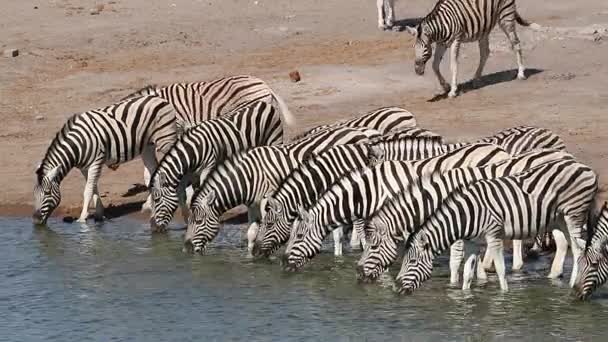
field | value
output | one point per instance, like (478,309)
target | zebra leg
(497,251)
(454,53)
(380,6)
(456,257)
(439,52)
(508,27)
(253,216)
(150,164)
(338,233)
(469,271)
(518,259)
(389,7)
(486,264)
(357,236)
(561,249)
(484,53)
(92,176)
(182,196)
(96,200)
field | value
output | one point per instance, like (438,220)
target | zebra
(383,120)
(593,263)
(400,215)
(111,136)
(304,184)
(358,195)
(386,13)
(511,207)
(247,177)
(453,22)
(196,153)
(199,101)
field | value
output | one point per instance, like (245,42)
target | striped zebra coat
(196,153)
(199,101)
(453,22)
(248,177)
(513,207)
(357,196)
(111,136)
(402,214)
(305,183)
(593,263)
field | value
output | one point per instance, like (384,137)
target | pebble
(11,53)
(295,76)
(39,117)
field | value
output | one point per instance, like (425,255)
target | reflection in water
(117,281)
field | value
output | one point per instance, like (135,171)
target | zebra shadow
(114,211)
(399,25)
(486,81)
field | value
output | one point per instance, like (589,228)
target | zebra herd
(397,188)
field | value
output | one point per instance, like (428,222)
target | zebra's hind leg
(357,236)
(508,27)
(454,54)
(456,257)
(150,164)
(469,271)
(518,258)
(381,14)
(389,11)
(90,188)
(440,50)
(496,247)
(338,233)
(484,53)
(561,249)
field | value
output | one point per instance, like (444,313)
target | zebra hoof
(521,76)
(452,94)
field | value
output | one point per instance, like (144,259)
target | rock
(94,11)
(295,76)
(39,117)
(11,53)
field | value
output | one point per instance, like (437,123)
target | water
(114,281)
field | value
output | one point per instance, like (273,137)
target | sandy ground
(71,61)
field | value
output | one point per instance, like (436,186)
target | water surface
(116,281)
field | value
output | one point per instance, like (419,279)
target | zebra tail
(521,21)
(289,118)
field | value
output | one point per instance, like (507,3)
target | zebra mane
(61,134)
(151,89)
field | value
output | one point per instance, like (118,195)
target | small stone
(11,53)
(35,7)
(295,76)
(94,11)
(39,117)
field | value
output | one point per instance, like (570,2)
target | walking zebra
(593,263)
(453,22)
(248,177)
(383,120)
(112,135)
(357,196)
(513,207)
(402,214)
(304,184)
(386,13)
(197,152)
(199,101)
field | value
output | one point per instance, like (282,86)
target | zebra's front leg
(456,257)
(496,247)
(454,54)
(509,29)
(518,258)
(253,216)
(440,50)
(469,271)
(389,11)
(338,233)
(90,188)
(380,7)
(357,236)
(561,249)
(149,158)
(484,53)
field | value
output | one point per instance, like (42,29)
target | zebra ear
(581,243)
(210,198)
(161,180)
(303,213)
(376,152)
(412,30)
(53,173)
(424,240)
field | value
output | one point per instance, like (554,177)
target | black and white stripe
(246,178)
(593,263)
(196,153)
(111,136)
(199,101)
(402,214)
(357,196)
(513,207)
(453,22)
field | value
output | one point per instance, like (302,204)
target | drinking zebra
(305,183)
(246,178)
(199,101)
(111,136)
(386,13)
(402,214)
(512,207)
(197,152)
(593,263)
(453,22)
(357,196)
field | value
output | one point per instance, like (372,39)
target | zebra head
(165,201)
(593,263)
(203,223)
(303,243)
(423,48)
(46,194)
(274,229)
(417,263)
(378,254)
